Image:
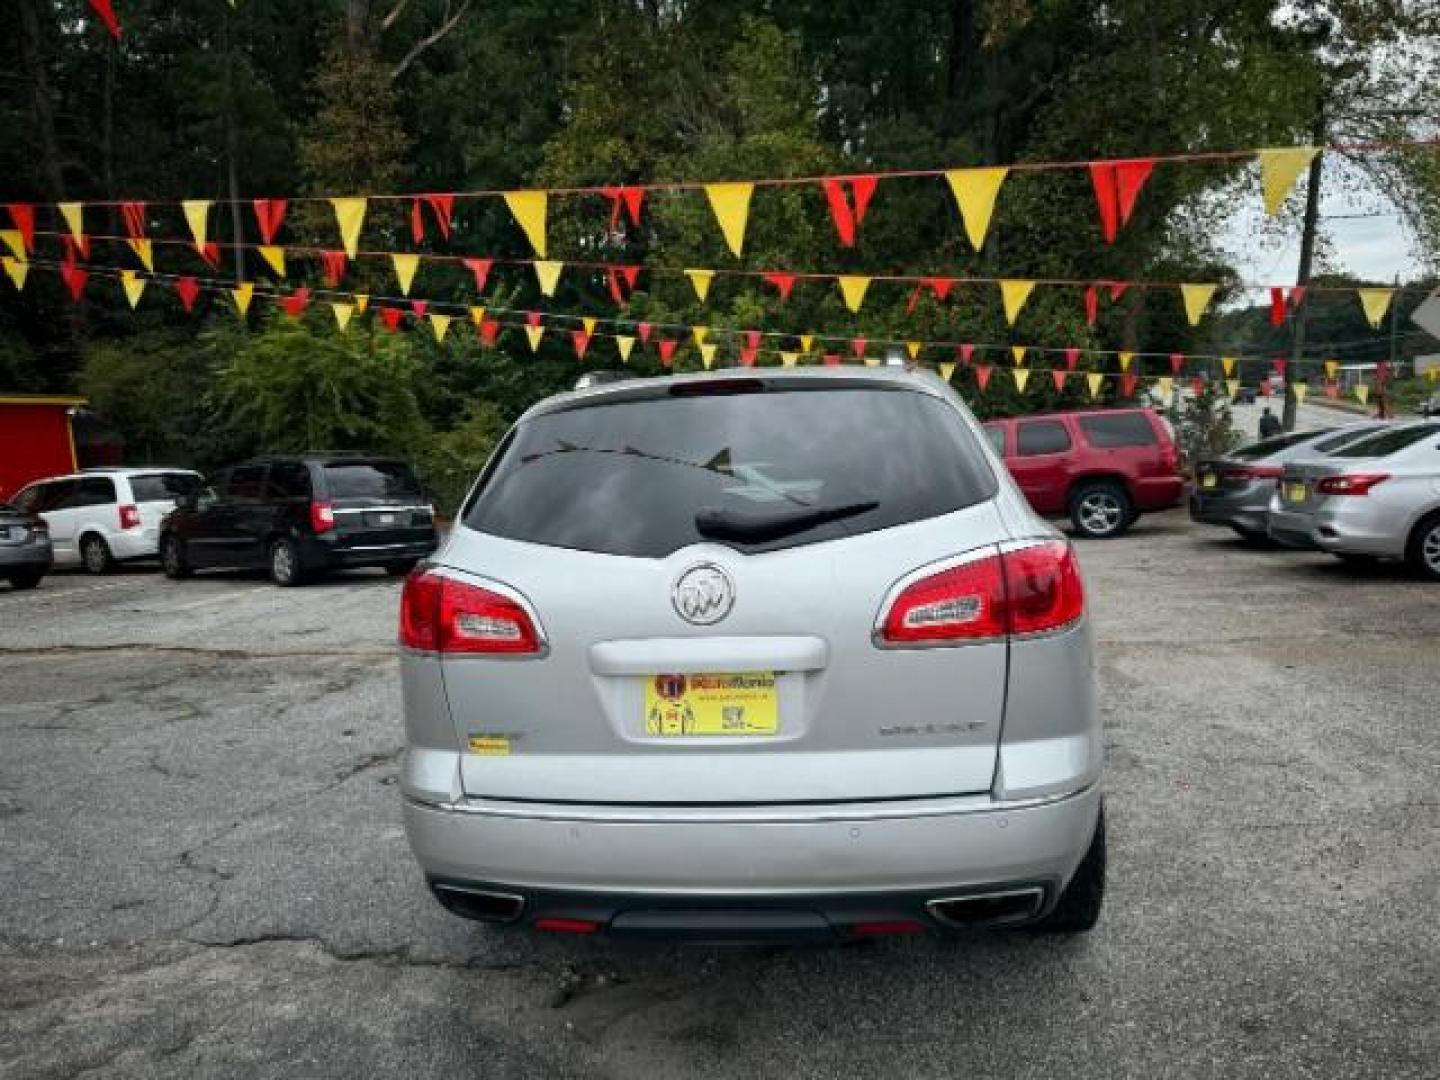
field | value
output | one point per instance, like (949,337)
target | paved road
(202,871)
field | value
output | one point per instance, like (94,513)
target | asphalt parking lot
(202,870)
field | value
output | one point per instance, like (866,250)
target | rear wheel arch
(1422,546)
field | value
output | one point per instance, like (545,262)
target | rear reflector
(1353,484)
(567,926)
(894,928)
(440,614)
(1029,590)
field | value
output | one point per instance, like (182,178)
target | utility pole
(1382,386)
(1307,257)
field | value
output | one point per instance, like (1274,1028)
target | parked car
(103,516)
(1101,468)
(1376,498)
(299,515)
(1431,406)
(25,553)
(1235,489)
(780,654)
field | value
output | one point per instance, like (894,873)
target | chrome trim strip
(379,510)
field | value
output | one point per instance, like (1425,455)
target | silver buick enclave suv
(748,655)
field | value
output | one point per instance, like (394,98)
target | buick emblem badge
(703,595)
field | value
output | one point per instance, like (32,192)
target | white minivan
(103,516)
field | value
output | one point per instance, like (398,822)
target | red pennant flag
(332,266)
(189,289)
(1072,357)
(1264,387)
(615,276)
(269,213)
(1059,378)
(914,299)
(210,252)
(75,278)
(747,356)
(628,197)
(982,375)
(533,318)
(23,217)
(847,219)
(857,346)
(390,317)
(1127,384)
(443,207)
(417,221)
(1297,296)
(783,282)
(667,351)
(76,248)
(644,331)
(1177,362)
(1277,306)
(107,16)
(134,215)
(940,286)
(1117,290)
(752,339)
(489,331)
(420,307)
(1332,388)
(1280,365)
(1092,305)
(296,303)
(966,353)
(1117,185)
(1197,386)
(480,268)
(581,340)
(832,359)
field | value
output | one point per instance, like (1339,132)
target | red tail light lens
(129,517)
(322,517)
(1354,484)
(442,615)
(1030,590)
(567,926)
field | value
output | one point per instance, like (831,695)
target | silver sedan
(1378,498)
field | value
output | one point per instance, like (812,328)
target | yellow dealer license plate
(1295,491)
(1209,480)
(728,703)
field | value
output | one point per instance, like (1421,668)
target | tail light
(129,517)
(1353,484)
(1169,456)
(322,517)
(439,614)
(1253,472)
(1029,590)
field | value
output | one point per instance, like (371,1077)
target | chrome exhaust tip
(482,905)
(988,908)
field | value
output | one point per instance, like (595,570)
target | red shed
(36,439)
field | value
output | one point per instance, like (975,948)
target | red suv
(1102,468)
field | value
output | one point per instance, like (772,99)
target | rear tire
(173,560)
(285,569)
(401,567)
(1078,909)
(95,555)
(1423,551)
(1100,510)
(25,579)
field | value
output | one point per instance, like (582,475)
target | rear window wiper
(759,528)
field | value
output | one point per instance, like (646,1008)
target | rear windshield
(632,477)
(1342,438)
(371,480)
(1266,447)
(1122,429)
(1388,442)
(163,487)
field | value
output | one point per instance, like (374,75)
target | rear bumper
(317,554)
(1252,512)
(829,866)
(133,544)
(1336,530)
(1158,492)
(28,556)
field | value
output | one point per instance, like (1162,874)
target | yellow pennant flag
(144,251)
(1232,387)
(731,204)
(1376,303)
(405,267)
(534,334)
(15,241)
(1018,352)
(1331,368)
(1022,376)
(197,216)
(1278,171)
(439,324)
(1125,360)
(133,285)
(1014,294)
(624,343)
(1300,389)
(1228,363)
(913,348)
(349,216)
(707,354)
(806,340)
(242,294)
(975,191)
(274,256)
(1165,386)
(362,301)
(18,270)
(548,274)
(342,313)
(477,316)
(74,215)
(529,208)
(700,282)
(1197,298)
(589,324)
(700,333)
(1095,382)
(789,359)
(1362,392)
(853,290)
(947,369)
(1433,372)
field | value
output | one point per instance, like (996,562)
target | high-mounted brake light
(129,517)
(1029,590)
(439,614)
(322,517)
(1353,484)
